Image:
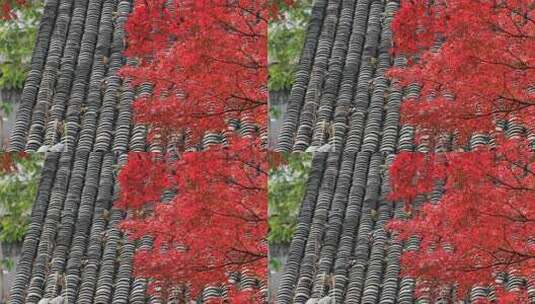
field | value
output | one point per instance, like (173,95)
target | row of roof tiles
(74,103)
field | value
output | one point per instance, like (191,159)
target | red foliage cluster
(6,13)
(216,224)
(483,67)
(140,183)
(206,61)
(8,161)
(276,159)
(475,63)
(484,223)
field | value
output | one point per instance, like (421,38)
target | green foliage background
(286,190)
(18,188)
(17,38)
(285,42)
(17,193)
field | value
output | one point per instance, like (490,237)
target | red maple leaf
(475,64)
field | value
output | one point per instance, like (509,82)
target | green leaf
(17,193)
(17,38)
(8,264)
(286,189)
(275,264)
(285,42)
(6,107)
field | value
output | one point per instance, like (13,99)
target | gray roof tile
(341,250)
(73,97)
(73,248)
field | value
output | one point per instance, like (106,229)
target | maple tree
(7,8)
(206,63)
(483,224)
(474,62)
(214,226)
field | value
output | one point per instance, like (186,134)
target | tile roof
(72,247)
(73,94)
(339,87)
(341,97)
(341,252)
(74,100)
